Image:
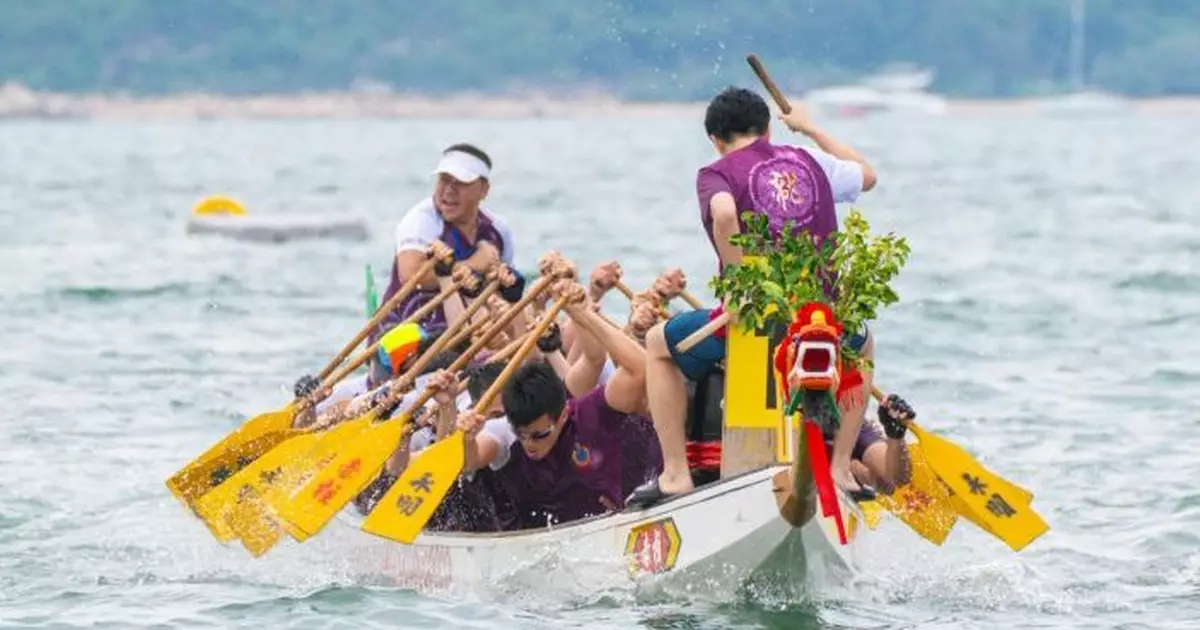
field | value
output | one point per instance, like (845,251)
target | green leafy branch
(782,273)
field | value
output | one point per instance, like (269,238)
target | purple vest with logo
(436,321)
(782,182)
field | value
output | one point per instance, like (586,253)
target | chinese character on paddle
(269,476)
(976,485)
(408,504)
(424,483)
(998,506)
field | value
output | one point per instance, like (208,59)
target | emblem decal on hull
(653,547)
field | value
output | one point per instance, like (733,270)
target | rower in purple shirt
(567,463)
(784,183)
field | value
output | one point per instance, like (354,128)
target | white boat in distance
(896,88)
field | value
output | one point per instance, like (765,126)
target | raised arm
(799,121)
(626,389)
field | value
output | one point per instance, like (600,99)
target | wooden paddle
(761,71)
(222,510)
(261,527)
(264,431)
(358,460)
(691,300)
(411,501)
(703,333)
(426,309)
(998,506)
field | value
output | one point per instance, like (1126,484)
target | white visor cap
(462,166)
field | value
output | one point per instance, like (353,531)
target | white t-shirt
(845,177)
(607,371)
(422,225)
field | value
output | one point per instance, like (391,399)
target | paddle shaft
(444,341)
(518,359)
(380,315)
(509,350)
(474,349)
(691,300)
(704,333)
(623,288)
(436,302)
(366,355)
(761,71)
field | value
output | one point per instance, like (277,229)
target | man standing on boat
(785,183)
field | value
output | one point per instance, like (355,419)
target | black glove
(443,268)
(892,413)
(473,290)
(513,294)
(551,340)
(305,385)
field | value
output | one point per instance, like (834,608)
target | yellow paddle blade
(985,498)
(350,468)
(409,504)
(250,515)
(924,503)
(236,450)
(1024,497)
(872,513)
(212,507)
(304,466)
(254,526)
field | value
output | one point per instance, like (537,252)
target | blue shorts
(703,358)
(859,340)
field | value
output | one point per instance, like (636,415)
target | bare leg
(667,394)
(886,464)
(852,411)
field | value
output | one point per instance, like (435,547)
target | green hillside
(651,49)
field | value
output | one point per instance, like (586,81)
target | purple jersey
(584,466)
(784,183)
(453,237)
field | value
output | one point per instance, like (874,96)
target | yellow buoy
(218,204)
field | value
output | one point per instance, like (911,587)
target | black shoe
(647,495)
(863,494)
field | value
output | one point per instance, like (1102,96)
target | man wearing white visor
(454,216)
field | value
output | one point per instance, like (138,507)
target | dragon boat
(761,519)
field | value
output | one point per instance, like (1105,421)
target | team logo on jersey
(784,188)
(581,456)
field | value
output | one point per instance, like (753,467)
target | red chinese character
(350,468)
(325,492)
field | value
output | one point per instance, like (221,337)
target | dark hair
(533,392)
(469,149)
(737,112)
(480,377)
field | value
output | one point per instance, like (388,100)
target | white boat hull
(721,538)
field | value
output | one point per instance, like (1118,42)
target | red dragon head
(808,358)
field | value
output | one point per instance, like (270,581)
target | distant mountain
(651,49)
